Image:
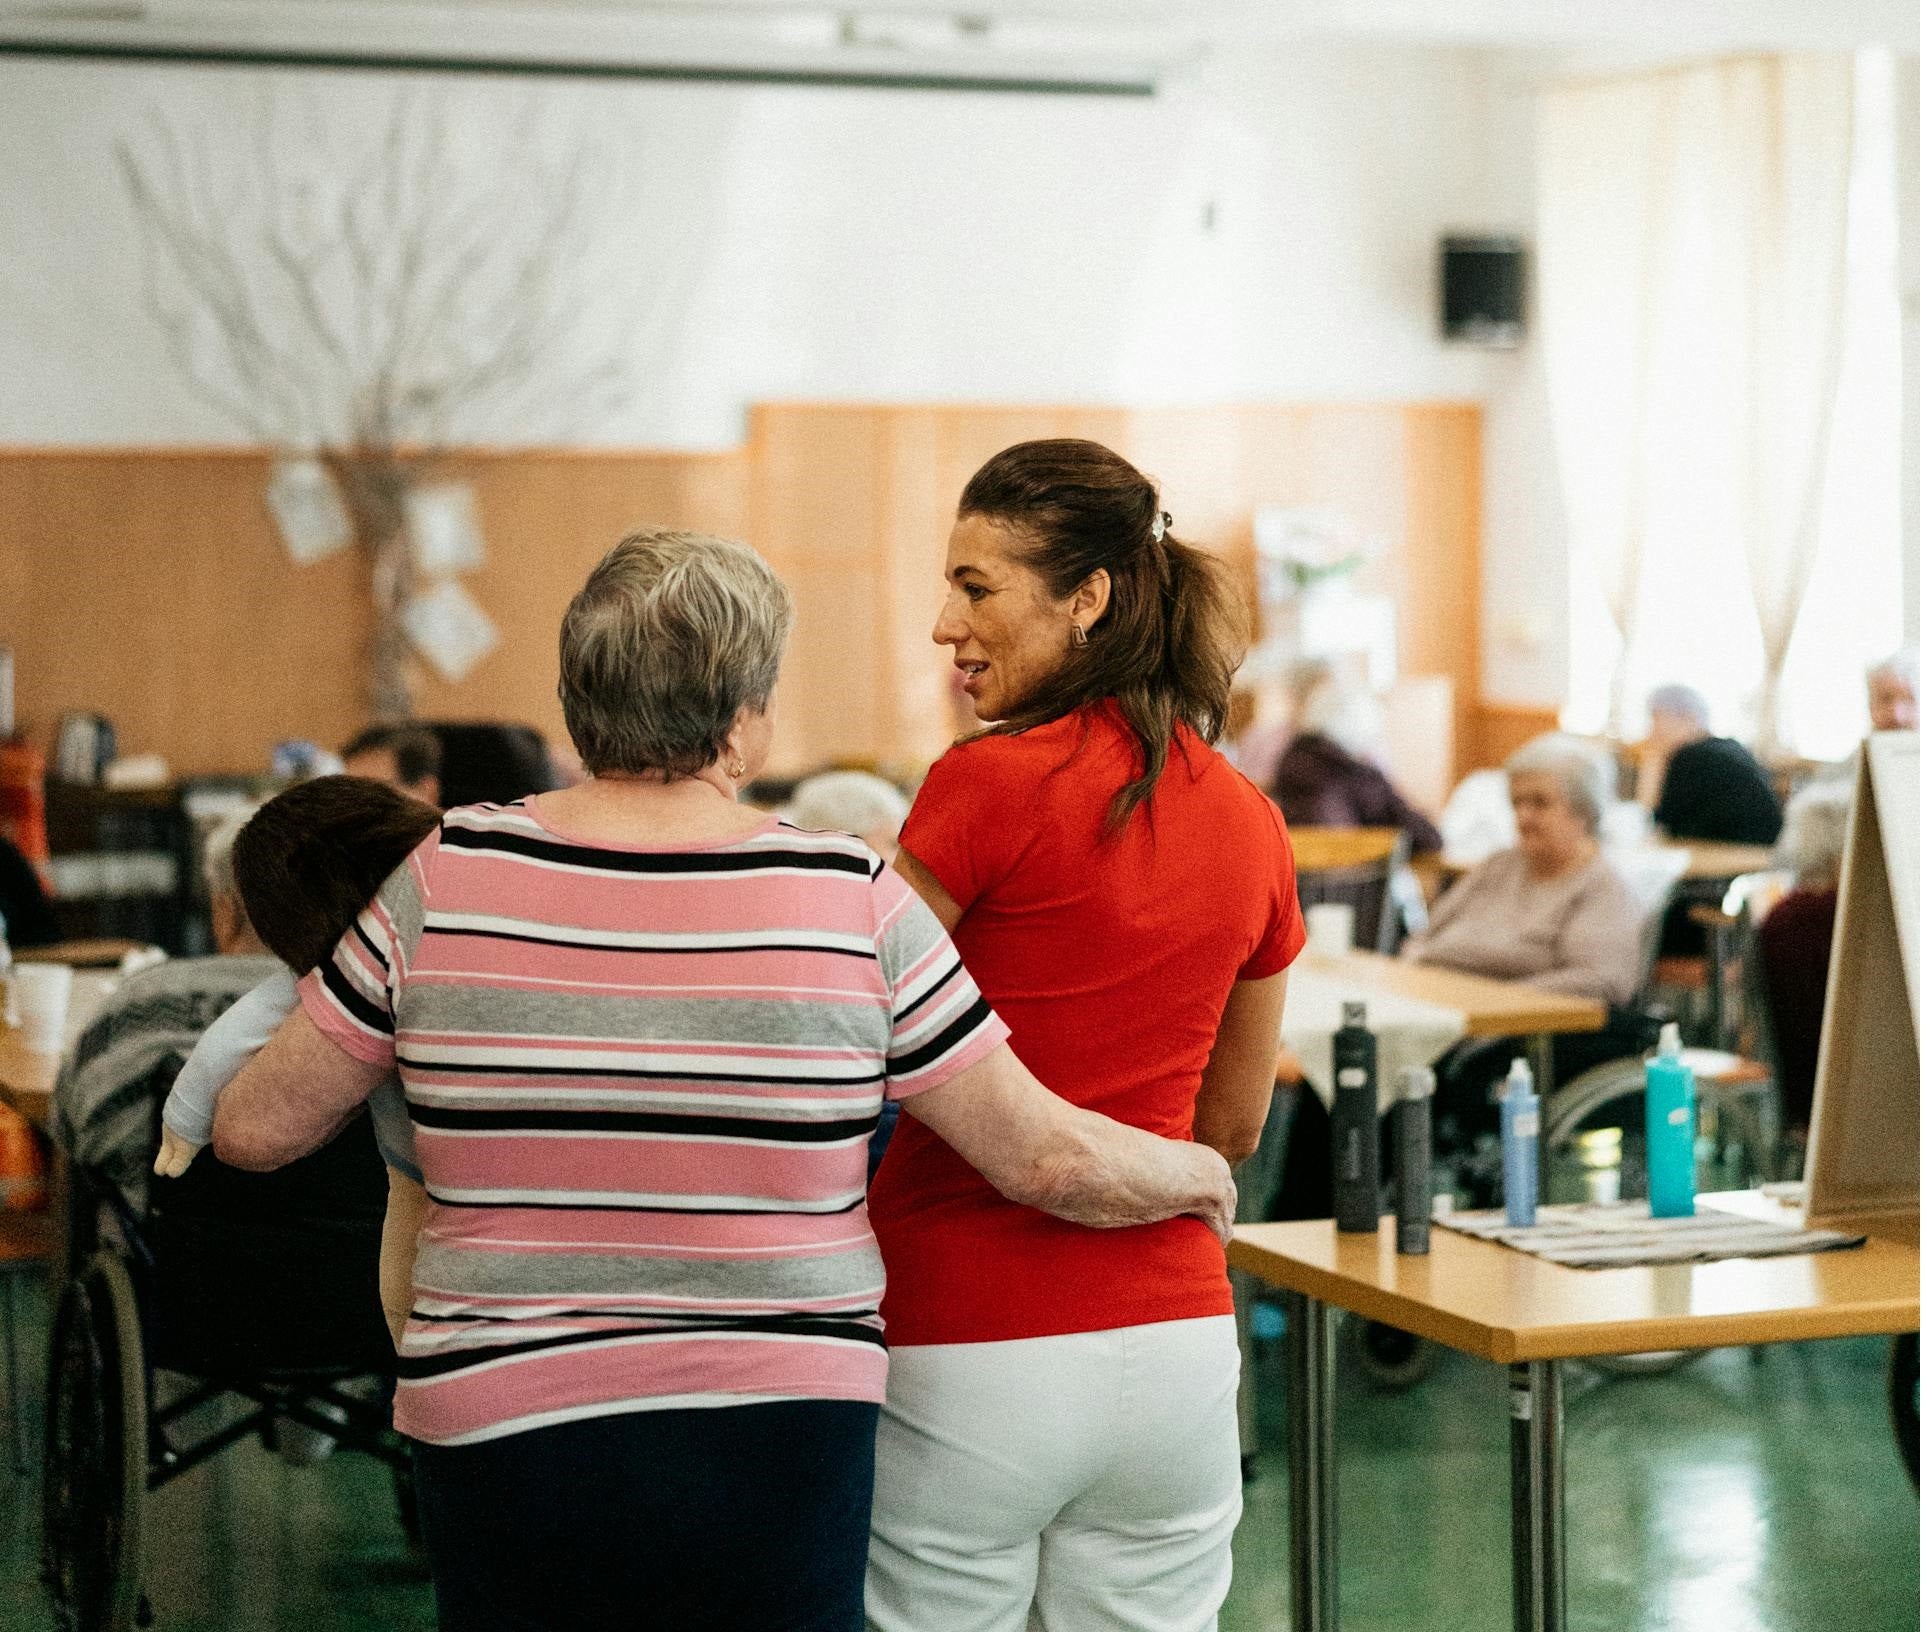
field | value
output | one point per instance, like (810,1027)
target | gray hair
(673,634)
(1583,773)
(217,853)
(848,802)
(1812,843)
(1682,701)
(1347,714)
(1900,665)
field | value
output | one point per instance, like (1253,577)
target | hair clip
(1159,525)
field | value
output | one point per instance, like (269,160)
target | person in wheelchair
(1552,911)
(103,1113)
(305,865)
(261,1288)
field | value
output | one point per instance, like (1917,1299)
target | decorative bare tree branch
(375,305)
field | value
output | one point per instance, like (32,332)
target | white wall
(1266,229)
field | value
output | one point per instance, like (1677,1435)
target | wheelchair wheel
(1902,1392)
(1391,1359)
(96,1468)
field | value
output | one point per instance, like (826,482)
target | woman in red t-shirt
(1061,1426)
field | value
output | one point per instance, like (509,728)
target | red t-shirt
(1110,958)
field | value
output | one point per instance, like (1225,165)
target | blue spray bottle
(1518,1123)
(1671,1128)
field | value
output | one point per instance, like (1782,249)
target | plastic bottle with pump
(1518,1120)
(1355,1180)
(1413,1168)
(1671,1128)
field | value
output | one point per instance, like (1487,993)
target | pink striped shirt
(642,1082)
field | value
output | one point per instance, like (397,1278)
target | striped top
(642,1080)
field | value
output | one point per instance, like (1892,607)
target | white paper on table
(444,529)
(1409,1032)
(450,629)
(308,509)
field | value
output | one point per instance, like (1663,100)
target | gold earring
(736,768)
(1079,636)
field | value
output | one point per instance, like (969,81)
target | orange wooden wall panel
(151,585)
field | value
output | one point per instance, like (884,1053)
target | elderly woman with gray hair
(1795,941)
(644,1031)
(1551,910)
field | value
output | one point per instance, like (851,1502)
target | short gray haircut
(673,634)
(1812,843)
(217,854)
(1682,701)
(1900,665)
(1347,714)
(848,802)
(1583,772)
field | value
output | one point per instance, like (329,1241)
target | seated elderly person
(103,1106)
(1708,788)
(1699,786)
(1551,910)
(1892,691)
(1795,941)
(1327,776)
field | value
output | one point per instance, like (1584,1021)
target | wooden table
(1516,1310)
(100,952)
(1706,862)
(1492,1008)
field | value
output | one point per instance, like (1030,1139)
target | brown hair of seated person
(310,860)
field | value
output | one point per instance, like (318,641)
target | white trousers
(1086,1483)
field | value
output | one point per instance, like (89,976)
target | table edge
(1503,1344)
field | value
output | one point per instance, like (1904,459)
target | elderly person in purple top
(1327,776)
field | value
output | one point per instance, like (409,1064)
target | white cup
(1329,926)
(42,991)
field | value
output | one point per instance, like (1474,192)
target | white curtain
(1692,233)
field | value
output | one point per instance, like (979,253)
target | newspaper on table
(1624,1235)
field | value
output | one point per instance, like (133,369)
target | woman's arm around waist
(1044,1152)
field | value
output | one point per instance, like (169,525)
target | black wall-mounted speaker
(1482,281)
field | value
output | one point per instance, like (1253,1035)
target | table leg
(1312,1378)
(1537,1497)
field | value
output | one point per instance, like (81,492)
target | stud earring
(1079,636)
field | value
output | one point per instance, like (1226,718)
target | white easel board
(1862,1160)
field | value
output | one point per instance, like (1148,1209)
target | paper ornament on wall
(450,629)
(308,509)
(444,529)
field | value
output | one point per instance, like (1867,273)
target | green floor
(1739,1494)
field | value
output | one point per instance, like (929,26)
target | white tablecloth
(1409,1032)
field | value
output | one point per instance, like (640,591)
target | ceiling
(1095,44)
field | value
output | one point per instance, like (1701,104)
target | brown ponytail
(1174,632)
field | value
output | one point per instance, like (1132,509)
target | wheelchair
(260,1288)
